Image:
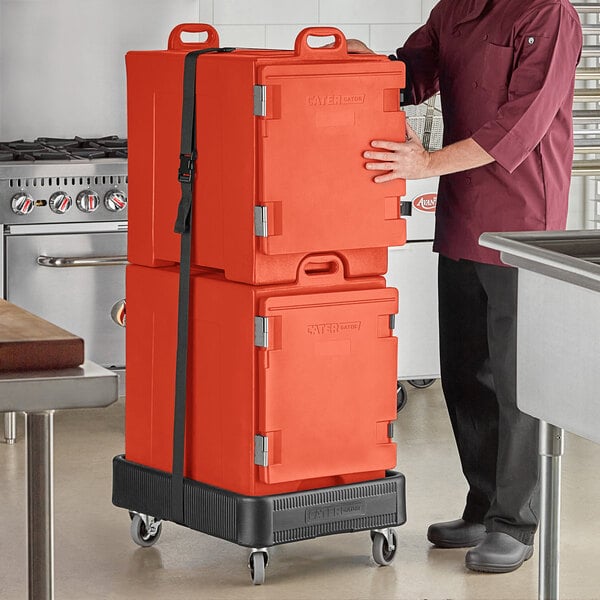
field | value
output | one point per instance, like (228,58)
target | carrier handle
(339,49)
(176,43)
(321,269)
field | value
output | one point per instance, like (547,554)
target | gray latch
(261,332)
(392,321)
(261,450)
(260,100)
(261,225)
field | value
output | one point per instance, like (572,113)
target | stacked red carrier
(291,362)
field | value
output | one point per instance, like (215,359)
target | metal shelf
(588,73)
(586,168)
(591,143)
(590,51)
(587,95)
(587,149)
(586,116)
(591,8)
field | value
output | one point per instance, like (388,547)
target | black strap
(183,225)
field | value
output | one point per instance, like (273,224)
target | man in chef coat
(505,70)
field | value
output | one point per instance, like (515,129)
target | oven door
(66,279)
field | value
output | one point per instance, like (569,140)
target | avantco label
(426,202)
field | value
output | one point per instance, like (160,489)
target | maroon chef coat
(505,70)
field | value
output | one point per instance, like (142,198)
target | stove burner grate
(77,148)
(90,153)
(43,154)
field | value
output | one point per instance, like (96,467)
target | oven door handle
(81,261)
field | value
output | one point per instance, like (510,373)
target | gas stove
(63,236)
(62,149)
(58,180)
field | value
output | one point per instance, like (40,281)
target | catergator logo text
(336,99)
(333,328)
(335,512)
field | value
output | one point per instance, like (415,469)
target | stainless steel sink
(558,331)
(558,357)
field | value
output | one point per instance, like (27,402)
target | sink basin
(558,325)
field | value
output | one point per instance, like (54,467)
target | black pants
(497,443)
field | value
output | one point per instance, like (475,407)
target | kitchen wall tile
(242,36)
(370,11)
(577,218)
(265,12)
(284,36)
(206,11)
(386,38)
(83,91)
(427,6)
(79,88)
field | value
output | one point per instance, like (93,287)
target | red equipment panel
(325,388)
(323,392)
(298,155)
(311,171)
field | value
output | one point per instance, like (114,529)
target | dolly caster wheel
(421,384)
(384,546)
(257,563)
(144,530)
(401,396)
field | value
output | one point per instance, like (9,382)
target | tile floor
(96,559)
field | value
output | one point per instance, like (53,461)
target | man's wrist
(428,163)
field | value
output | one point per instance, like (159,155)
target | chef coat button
(468,180)
(475,84)
(531,41)
(485,37)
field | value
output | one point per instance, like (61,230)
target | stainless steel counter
(558,341)
(87,386)
(39,394)
(558,357)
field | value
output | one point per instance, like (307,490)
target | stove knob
(118,312)
(115,200)
(60,202)
(22,203)
(87,201)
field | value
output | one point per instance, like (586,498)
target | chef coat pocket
(497,68)
(533,59)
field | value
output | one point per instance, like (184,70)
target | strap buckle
(186,167)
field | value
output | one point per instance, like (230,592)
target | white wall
(62,69)
(383,24)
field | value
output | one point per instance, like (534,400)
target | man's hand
(358,47)
(354,47)
(409,160)
(403,160)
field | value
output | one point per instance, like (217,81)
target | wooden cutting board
(28,342)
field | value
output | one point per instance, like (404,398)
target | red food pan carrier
(279,172)
(290,387)
(282,430)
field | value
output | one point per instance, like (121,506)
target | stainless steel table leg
(40,507)
(551,450)
(10,427)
